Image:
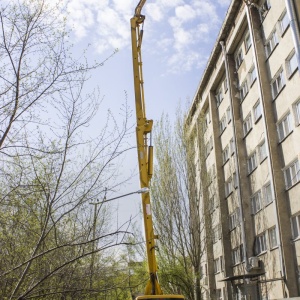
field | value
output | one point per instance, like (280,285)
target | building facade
(249,99)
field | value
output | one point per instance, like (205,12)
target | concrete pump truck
(145,157)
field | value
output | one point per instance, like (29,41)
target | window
(248,41)
(228,187)
(202,271)
(277,83)
(219,96)
(218,264)
(242,252)
(217,268)
(232,222)
(266,5)
(212,204)
(232,146)
(272,238)
(213,170)
(247,125)
(296,226)
(222,124)
(260,243)
(292,174)
(252,75)
(284,22)
(225,154)
(235,180)
(239,58)
(244,90)
(207,118)
(239,293)
(234,219)
(208,146)
(236,256)
(205,295)
(291,63)
(261,198)
(219,294)
(256,202)
(284,127)
(271,43)
(225,84)
(251,163)
(216,233)
(267,192)
(228,114)
(221,263)
(257,111)
(207,149)
(296,107)
(262,151)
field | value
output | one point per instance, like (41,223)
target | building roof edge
(223,33)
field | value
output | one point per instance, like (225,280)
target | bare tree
(178,198)
(50,166)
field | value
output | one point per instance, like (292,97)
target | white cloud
(123,6)
(224,3)
(191,25)
(182,38)
(82,19)
(106,22)
(154,11)
(185,13)
(181,62)
(163,46)
(159,10)
(176,29)
(174,26)
(207,11)
(113,30)
(171,3)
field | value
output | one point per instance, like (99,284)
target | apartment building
(249,99)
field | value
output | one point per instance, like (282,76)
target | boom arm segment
(145,157)
(139,7)
(145,152)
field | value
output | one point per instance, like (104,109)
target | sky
(178,38)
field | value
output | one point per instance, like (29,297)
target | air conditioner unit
(254,262)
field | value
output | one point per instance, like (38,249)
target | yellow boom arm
(145,154)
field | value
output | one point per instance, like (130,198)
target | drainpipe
(282,269)
(247,266)
(290,8)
